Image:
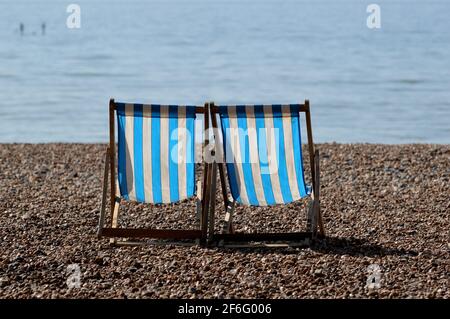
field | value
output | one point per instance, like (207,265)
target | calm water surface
(390,85)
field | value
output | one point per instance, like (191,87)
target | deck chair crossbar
(175,182)
(257,116)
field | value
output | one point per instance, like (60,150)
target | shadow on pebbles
(386,211)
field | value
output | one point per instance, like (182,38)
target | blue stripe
(298,158)
(156,156)
(282,168)
(120,107)
(246,163)
(190,152)
(263,161)
(122,166)
(138,154)
(190,112)
(230,165)
(173,162)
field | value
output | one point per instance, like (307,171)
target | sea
(374,71)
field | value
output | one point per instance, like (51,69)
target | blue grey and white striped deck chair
(155,165)
(261,146)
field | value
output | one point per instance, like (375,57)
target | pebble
(405,233)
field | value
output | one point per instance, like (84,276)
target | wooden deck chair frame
(315,225)
(113,231)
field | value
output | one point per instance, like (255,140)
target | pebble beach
(385,207)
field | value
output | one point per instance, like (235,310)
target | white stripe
(129,149)
(236,151)
(289,150)
(147,153)
(254,155)
(165,180)
(272,158)
(182,149)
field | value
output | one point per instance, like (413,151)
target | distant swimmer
(22,28)
(43,26)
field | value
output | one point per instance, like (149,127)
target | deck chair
(261,146)
(155,165)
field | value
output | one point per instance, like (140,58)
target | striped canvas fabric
(263,153)
(156,152)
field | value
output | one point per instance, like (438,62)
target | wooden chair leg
(114,221)
(212,206)
(199,203)
(317,194)
(101,220)
(310,216)
(321,227)
(206,203)
(228,229)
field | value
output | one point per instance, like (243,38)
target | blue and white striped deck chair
(261,145)
(155,164)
